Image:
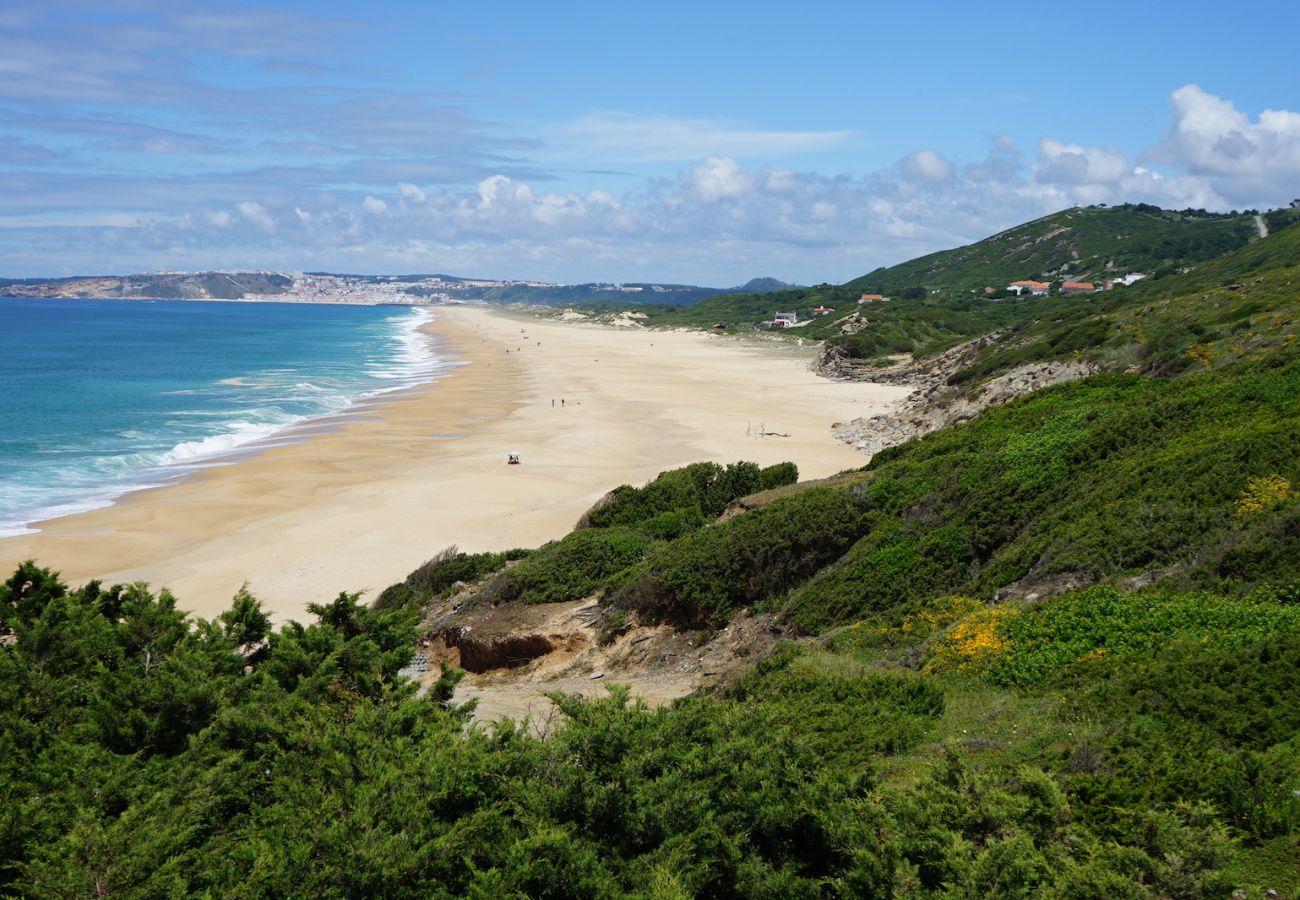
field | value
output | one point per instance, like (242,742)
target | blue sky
(690,142)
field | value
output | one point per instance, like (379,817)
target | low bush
(847,715)
(702,576)
(1197,722)
(707,487)
(435,577)
(1085,482)
(1015,644)
(1104,622)
(569,569)
(778,475)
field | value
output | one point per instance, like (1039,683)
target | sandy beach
(358,505)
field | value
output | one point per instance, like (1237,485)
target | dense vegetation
(1053,651)
(949,297)
(147,755)
(1235,307)
(1081,244)
(1098,743)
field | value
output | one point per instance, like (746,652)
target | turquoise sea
(102,397)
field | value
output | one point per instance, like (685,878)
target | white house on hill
(1033,288)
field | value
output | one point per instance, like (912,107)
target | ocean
(102,397)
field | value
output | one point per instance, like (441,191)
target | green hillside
(1080,244)
(1234,307)
(940,300)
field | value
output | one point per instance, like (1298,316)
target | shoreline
(443,359)
(358,503)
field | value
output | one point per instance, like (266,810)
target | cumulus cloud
(1248,162)
(714,218)
(410,192)
(256,214)
(718,178)
(1070,164)
(926,165)
(716,221)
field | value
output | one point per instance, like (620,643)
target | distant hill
(941,299)
(334,287)
(173,285)
(1236,307)
(760,286)
(1081,244)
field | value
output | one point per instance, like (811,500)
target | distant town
(323,287)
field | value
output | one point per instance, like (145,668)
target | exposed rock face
(933,404)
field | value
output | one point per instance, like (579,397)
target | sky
(698,143)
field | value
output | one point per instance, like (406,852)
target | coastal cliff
(933,404)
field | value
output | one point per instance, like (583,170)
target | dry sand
(357,506)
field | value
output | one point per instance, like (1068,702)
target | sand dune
(359,503)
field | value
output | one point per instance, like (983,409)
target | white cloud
(718,178)
(256,214)
(1249,163)
(926,165)
(716,220)
(1074,165)
(499,191)
(779,181)
(410,192)
(620,137)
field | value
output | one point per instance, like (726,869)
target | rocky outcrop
(933,404)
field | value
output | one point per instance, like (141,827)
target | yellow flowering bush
(1203,355)
(915,627)
(1263,493)
(974,642)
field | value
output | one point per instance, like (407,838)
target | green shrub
(569,569)
(1084,482)
(145,753)
(1198,722)
(669,526)
(707,487)
(1104,622)
(968,832)
(436,576)
(847,716)
(778,475)
(702,576)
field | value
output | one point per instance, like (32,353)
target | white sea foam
(406,357)
(241,434)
